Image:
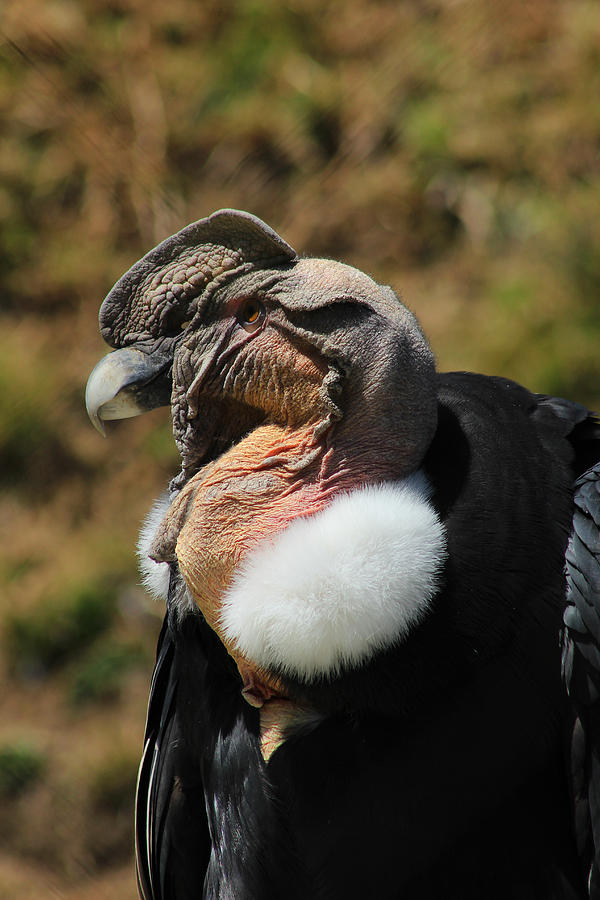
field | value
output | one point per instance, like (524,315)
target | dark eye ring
(251,314)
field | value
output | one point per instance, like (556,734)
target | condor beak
(126,383)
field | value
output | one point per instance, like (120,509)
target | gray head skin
(290,380)
(178,312)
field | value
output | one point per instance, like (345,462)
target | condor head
(303,400)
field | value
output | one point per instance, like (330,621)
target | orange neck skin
(255,490)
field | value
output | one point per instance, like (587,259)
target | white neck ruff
(334,589)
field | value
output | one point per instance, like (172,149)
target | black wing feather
(172,841)
(149,802)
(206,823)
(581,664)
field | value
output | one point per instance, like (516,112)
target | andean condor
(358,688)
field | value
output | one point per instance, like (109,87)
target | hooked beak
(126,383)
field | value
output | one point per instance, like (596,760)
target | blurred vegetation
(21,765)
(450,149)
(39,641)
(99,677)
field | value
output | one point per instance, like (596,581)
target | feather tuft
(155,575)
(334,589)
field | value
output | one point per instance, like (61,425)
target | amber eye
(251,314)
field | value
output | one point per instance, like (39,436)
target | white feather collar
(335,588)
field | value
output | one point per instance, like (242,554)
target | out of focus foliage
(449,147)
(20,767)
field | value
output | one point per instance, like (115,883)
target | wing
(202,781)
(581,669)
(172,841)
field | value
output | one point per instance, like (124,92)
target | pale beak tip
(93,410)
(98,425)
(96,421)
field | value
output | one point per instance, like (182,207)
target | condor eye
(250,314)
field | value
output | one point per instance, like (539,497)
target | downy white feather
(335,588)
(155,575)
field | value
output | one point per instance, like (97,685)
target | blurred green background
(450,148)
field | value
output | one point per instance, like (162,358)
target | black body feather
(438,769)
